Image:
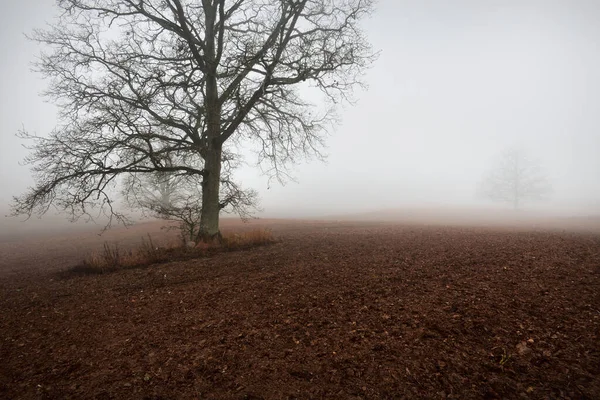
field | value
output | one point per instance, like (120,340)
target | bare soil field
(336,309)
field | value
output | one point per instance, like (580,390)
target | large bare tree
(514,179)
(137,79)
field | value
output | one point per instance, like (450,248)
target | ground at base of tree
(333,310)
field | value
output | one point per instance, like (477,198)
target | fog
(455,84)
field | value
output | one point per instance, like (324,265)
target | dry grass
(256,237)
(112,258)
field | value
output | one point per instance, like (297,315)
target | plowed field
(333,310)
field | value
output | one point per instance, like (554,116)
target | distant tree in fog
(514,179)
(173,196)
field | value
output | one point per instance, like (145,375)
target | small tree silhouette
(514,179)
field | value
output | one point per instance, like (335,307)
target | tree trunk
(209,219)
(211,180)
(516,193)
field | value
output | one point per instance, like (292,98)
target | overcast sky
(456,83)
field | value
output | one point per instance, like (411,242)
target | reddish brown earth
(333,310)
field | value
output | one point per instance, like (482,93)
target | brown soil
(333,310)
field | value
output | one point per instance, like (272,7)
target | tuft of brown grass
(112,258)
(256,237)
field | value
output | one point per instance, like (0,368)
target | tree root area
(333,310)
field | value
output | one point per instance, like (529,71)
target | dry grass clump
(112,258)
(256,237)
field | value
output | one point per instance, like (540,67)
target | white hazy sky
(457,82)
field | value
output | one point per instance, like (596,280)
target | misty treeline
(515,178)
(155,90)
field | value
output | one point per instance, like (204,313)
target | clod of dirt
(522,349)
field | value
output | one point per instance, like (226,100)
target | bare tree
(137,79)
(514,179)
